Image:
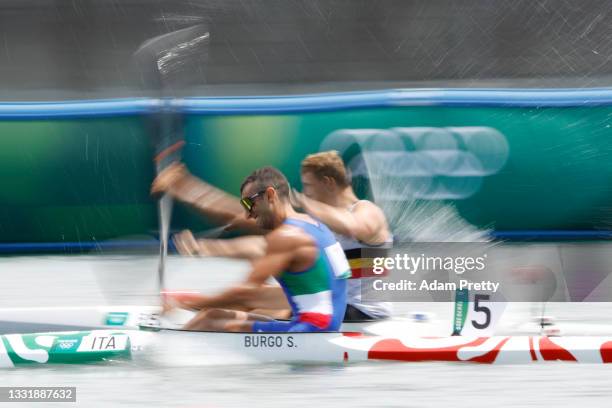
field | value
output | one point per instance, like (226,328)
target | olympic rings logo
(428,163)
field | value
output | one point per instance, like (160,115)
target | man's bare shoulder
(287,238)
(367,208)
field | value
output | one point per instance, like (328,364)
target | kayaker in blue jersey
(301,253)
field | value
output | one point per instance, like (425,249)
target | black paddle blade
(172,61)
(165,64)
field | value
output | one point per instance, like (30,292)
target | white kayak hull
(169,347)
(182,348)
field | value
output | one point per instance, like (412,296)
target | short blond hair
(327,164)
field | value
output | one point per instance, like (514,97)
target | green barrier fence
(77,176)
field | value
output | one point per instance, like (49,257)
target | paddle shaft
(157,60)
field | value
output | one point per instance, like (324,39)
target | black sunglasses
(249,202)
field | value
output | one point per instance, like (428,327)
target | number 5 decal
(481,309)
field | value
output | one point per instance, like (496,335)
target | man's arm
(287,250)
(366,223)
(248,247)
(262,269)
(210,201)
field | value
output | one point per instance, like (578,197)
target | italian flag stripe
(321,321)
(319,303)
